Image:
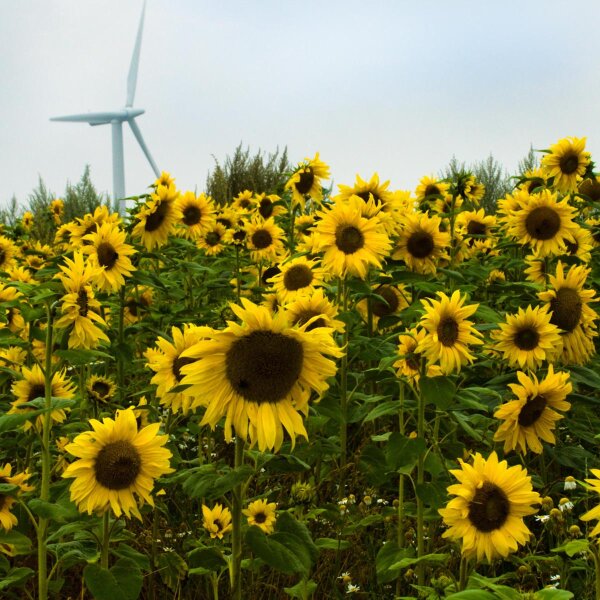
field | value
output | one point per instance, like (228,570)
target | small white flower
(565,504)
(351,588)
(570,483)
(343,501)
(541,518)
(344,575)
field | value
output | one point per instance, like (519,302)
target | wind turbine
(117,118)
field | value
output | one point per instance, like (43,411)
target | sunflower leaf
(290,557)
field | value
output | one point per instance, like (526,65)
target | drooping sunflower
(157,217)
(27,220)
(268,205)
(582,245)
(264,240)
(536,269)
(117,465)
(7,519)
(80,309)
(33,386)
(566,163)
(590,188)
(350,242)
(474,190)
(166,362)
(421,243)
(107,248)
(534,414)
(367,190)
(487,512)
(544,223)
(315,310)
(409,363)
(306,181)
(212,241)
(216,520)
(594,513)
(528,338)
(262,514)
(101,389)
(138,304)
(57,208)
(260,374)
(449,332)
(569,304)
(393,300)
(197,214)
(298,277)
(8,252)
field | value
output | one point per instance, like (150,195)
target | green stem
(236,523)
(420,481)
(401,482)
(214,578)
(344,390)
(595,556)
(120,362)
(238,283)
(464,573)
(105,539)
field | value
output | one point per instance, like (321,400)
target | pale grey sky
(396,87)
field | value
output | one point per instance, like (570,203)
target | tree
(259,173)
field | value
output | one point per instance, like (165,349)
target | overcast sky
(395,86)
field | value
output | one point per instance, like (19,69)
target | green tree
(259,173)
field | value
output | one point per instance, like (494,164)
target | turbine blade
(99,118)
(140,139)
(135,61)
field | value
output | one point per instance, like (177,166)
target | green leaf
(331,544)
(12,422)
(427,558)
(553,594)
(437,390)
(207,483)
(472,595)
(15,577)
(402,452)
(273,552)
(286,524)
(102,584)
(573,547)
(83,357)
(302,590)
(207,558)
(129,553)
(21,543)
(172,568)
(389,555)
(50,510)
(390,407)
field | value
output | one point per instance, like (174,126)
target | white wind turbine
(116,119)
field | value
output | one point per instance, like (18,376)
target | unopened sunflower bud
(556,514)
(547,503)
(574,531)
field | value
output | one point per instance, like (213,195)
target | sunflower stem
(105,539)
(420,481)
(344,390)
(464,573)
(238,283)
(120,363)
(42,529)
(236,524)
(400,533)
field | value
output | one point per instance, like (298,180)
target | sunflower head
(306,181)
(262,514)
(216,520)
(566,163)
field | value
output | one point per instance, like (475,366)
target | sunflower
(449,332)
(568,302)
(409,363)
(595,512)
(264,240)
(13,357)
(27,220)
(367,190)
(421,244)
(533,180)
(90,223)
(165,180)
(7,519)
(166,362)
(57,208)
(350,241)
(303,226)
(244,202)
(137,306)
(197,214)
(297,277)
(8,252)
(566,163)
(212,241)
(536,269)
(157,217)
(80,309)
(593,225)
(216,520)
(431,189)
(392,301)
(313,311)
(543,222)
(533,415)
(474,190)
(487,512)
(33,385)
(475,225)
(582,245)
(21,274)
(115,462)
(528,338)
(306,181)
(260,374)
(589,188)
(14,319)
(262,514)
(101,389)
(267,206)
(107,248)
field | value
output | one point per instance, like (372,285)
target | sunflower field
(308,394)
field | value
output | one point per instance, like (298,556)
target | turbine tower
(117,118)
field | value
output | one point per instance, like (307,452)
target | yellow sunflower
(260,374)
(297,277)
(569,304)
(7,519)
(14,319)
(27,220)
(107,248)
(582,245)
(244,202)
(262,514)
(449,332)
(528,338)
(544,223)
(566,163)
(487,512)
(593,225)
(409,363)
(474,190)
(32,386)
(166,362)
(212,241)
(165,180)
(536,269)
(393,300)
(197,214)
(117,465)
(431,189)
(589,188)
(137,305)
(303,226)
(8,252)
(80,309)
(216,520)
(421,244)
(476,226)
(350,242)
(367,190)
(57,208)
(264,240)
(534,414)
(594,513)
(101,389)
(157,218)
(313,311)
(533,180)
(82,227)
(268,205)
(306,181)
